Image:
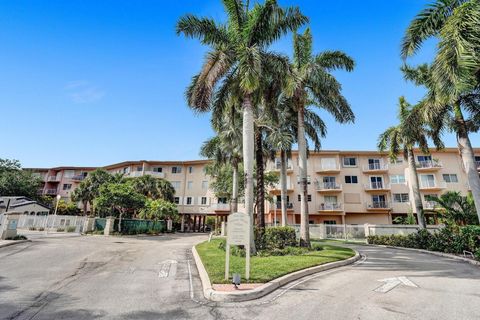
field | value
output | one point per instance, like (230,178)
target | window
(157,169)
(379,201)
(329,222)
(330,199)
(424,158)
(376,182)
(374,164)
(69,173)
(309,198)
(328,163)
(349,162)
(397,179)
(204,185)
(139,168)
(176,200)
(427,180)
(204,201)
(400,197)
(175,184)
(189,185)
(308,180)
(222,200)
(450,178)
(189,200)
(67,186)
(299,197)
(396,161)
(176,169)
(190,169)
(126,170)
(351,179)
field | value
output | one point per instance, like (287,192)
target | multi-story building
(356,187)
(352,187)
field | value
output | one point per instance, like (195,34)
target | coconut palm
(313,85)
(238,48)
(461,116)
(402,138)
(153,188)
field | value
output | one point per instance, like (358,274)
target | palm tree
(453,208)
(82,193)
(238,49)
(154,188)
(443,116)
(313,84)
(453,80)
(402,138)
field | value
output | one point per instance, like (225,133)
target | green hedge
(274,238)
(137,226)
(449,240)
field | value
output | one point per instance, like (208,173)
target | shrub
(32,228)
(17,237)
(279,238)
(41,229)
(71,229)
(60,229)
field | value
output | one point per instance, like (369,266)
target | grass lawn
(264,269)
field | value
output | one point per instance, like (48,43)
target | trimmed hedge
(449,240)
(275,238)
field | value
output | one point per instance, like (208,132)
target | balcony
(428,165)
(330,168)
(328,187)
(375,167)
(377,186)
(330,207)
(220,207)
(379,206)
(432,186)
(51,191)
(277,166)
(430,205)
(78,178)
(53,179)
(478,165)
(156,174)
(278,186)
(278,206)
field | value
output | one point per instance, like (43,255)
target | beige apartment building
(352,187)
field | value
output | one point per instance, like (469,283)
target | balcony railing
(220,207)
(377,186)
(51,191)
(328,167)
(53,179)
(430,205)
(328,186)
(79,177)
(278,166)
(432,185)
(278,205)
(428,164)
(379,205)
(375,167)
(330,207)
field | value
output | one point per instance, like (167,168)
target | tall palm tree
(313,85)
(454,77)
(451,116)
(238,48)
(402,138)
(83,194)
(153,188)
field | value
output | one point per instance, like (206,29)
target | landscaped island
(266,268)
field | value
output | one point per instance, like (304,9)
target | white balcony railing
(330,207)
(375,167)
(432,185)
(329,167)
(429,205)
(328,186)
(53,179)
(278,166)
(428,164)
(379,205)
(220,207)
(278,205)
(377,186)
(51,191)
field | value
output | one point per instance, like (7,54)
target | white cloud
(81,91)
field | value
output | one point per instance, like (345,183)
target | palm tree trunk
(248,158)
(283,186)
(416,190)
(302,164)
(260,181)
(234,205)
(85,205)
(120,222)
(468,157)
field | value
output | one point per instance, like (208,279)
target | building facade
(352,187)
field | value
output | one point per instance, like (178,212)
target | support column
(203,225)
(194,223)
(182,225)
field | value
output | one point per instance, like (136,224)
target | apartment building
(357,187)
(353,187)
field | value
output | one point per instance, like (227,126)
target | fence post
(109,226)
(367,230)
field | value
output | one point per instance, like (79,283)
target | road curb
(237,296)
(435,253)
(13,243)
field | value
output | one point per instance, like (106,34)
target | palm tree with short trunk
(313,85)
(238,49)
(401,139)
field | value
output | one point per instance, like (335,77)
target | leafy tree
(313,85)
(119,198)
(66,208)
(17,182)
(159,209)
(83,194)
(401,139)
(238,50)
(455,209)
(89,188)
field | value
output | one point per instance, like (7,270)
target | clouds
(82,92)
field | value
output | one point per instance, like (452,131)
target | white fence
(399,229)
(51,222)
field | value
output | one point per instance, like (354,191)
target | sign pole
(227,261)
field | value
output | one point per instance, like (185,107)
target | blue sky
(97,82)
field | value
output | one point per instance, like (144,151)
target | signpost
(238,233)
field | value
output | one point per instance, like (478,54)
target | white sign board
(238,233)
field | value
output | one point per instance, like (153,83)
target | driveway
(100,277)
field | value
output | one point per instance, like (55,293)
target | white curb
(258,292)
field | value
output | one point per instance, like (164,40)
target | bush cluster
(275,238)
(451,239)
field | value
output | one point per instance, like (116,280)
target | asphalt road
(95,277)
